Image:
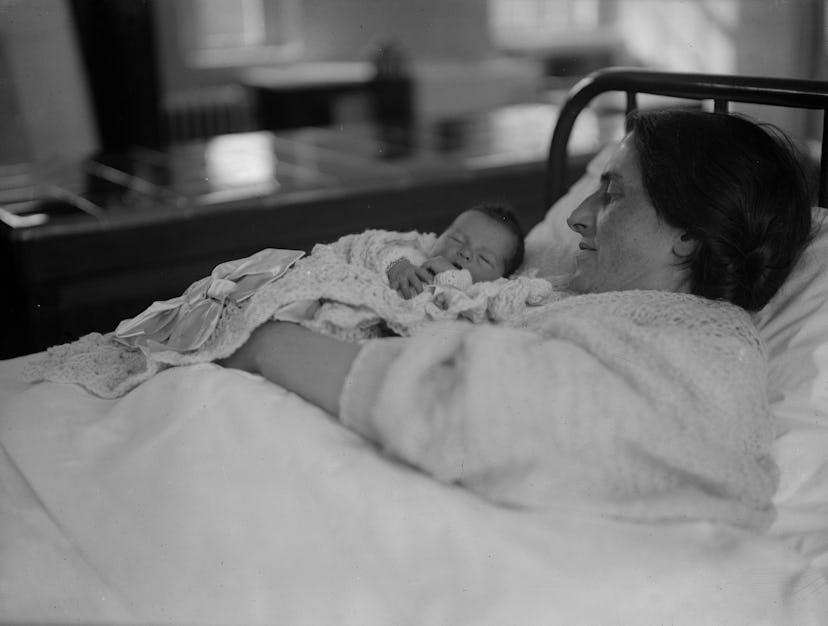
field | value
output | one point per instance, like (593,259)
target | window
(218,33)
(547,24)
(822,18)
(221,25)
(544,15)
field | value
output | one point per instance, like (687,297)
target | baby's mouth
(457,265)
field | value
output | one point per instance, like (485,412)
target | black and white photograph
(414,312)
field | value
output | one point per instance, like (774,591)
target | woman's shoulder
(666,306)
(680,312)
(646,304)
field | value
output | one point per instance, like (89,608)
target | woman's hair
(734,186)
(505,216)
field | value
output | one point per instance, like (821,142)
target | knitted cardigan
(340,289)
(642,405)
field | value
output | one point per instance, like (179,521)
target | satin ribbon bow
(184,323)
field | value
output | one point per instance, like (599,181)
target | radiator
(205,112)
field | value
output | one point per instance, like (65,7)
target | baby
(483,243)
(371,284)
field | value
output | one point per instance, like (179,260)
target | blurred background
(144,141)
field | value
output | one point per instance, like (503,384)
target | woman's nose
(582,219)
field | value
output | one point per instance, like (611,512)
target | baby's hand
(437,264)
(408,279)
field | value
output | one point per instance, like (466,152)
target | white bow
(184,323)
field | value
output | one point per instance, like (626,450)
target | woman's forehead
(623,167)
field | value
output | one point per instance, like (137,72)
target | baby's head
(486,240)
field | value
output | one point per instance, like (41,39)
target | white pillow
(794,326)
(551,245)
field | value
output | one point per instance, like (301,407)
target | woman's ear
(684,245)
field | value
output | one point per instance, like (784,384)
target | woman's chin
(581,282)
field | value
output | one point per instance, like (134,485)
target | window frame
(283,41)
(569,37)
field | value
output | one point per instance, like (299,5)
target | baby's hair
(504,215)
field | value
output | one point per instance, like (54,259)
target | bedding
(210,496)
(643,405)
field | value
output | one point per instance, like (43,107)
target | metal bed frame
(721,89)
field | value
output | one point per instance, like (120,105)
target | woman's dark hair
(505,216)
(737,188)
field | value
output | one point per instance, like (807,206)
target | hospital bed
(211,496)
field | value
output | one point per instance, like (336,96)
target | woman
(642,394)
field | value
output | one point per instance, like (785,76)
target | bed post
(722,89)
(823,163)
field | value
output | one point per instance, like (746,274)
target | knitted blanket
(644,405)
(321,292)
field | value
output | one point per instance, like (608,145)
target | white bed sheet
(211,496)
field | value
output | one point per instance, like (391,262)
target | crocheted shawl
(328,291)
(644,405)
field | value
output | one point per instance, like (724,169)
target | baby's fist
(406,278)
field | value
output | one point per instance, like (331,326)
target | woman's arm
(311,365)
(598,412)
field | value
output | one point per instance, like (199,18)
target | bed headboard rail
(721,89)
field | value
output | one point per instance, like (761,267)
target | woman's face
(624,243)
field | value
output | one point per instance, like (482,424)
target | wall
(14,147)
(45,107)
(748,37)
(765,37)
(779,38)
(45,93)
(694,36)
(348,30)
(427,29)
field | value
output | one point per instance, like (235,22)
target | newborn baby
(484,243)
(371,284)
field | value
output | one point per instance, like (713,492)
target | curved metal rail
(721,89)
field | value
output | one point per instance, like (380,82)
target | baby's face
(477,243)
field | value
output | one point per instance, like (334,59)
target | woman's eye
(608,196)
